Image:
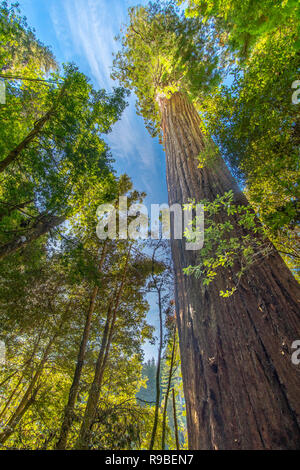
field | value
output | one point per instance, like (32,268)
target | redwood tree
(241,388)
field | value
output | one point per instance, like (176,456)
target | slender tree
(168,389)
(89,416)
(33,386)
(247,23)
(241,388)
(175,420)
(69,409)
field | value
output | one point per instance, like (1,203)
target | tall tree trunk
(157,378)
(69,409)
(175,421)
(91,406)
(163,439)
(35,132)
(241,388)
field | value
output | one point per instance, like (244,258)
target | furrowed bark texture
(241,388)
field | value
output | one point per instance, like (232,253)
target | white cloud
(131,138)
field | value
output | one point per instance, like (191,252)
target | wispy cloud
(91,25)
(130,140)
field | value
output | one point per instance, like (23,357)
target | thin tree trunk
(157,380)
(175,421)
(163,439)
(10,208)
(69,409)
(38,126)
(91,406)
(25,368)
(11,396)
(23,405)
(241,388)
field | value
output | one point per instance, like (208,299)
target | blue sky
(83,31)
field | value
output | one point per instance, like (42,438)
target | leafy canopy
(256,125)
(21,52)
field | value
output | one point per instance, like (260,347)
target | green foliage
(51,136)
(176,384)
(50,174)
(21,52)
(228,249)
(46,286)
(35,311)
(148,392)
(248,21)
